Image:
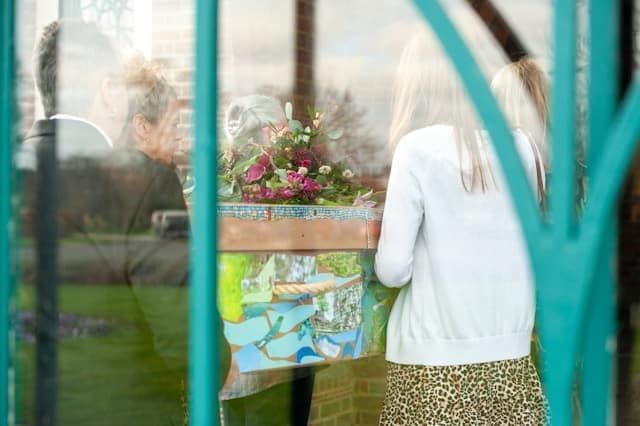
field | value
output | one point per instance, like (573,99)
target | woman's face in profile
(164,136)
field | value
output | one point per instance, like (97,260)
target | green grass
(132,376)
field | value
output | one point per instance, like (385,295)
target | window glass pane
(372,75)
(628,355)
(331,115)
(106,116)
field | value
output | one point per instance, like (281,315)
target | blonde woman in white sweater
(460,330)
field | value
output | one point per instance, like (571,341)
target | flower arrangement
(292,168)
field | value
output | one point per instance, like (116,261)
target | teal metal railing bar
(7,118)
(599,325)
(563,122)
(564,252)
(610,169)
(203,347)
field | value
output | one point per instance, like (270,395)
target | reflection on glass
(105,259)
(121,323)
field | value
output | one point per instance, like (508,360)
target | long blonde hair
(522,89)
(427,91)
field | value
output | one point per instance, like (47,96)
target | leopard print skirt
(494,393)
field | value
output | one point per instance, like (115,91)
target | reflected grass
(134,375)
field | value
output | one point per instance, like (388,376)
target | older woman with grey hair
(246,117)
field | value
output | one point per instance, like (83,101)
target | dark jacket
(106,197)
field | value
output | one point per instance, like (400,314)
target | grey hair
(246,116)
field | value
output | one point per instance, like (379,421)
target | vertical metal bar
(203,327)
(625,329)
(561,310)
(7,43)
(563,110)
(304,88)
(46,284)
(599,320)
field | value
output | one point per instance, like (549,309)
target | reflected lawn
(132,375)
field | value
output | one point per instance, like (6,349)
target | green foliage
(293,168)
(343,264)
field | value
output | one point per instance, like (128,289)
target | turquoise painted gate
(571,255)
(7,137)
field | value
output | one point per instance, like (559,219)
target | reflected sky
(358,46)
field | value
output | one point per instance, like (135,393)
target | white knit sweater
(467,290)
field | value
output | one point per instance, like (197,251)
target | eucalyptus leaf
(282,174)
(275,184)
(227,190)
(243,165)
(295,126)
(335,134)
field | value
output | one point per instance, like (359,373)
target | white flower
(317,120)
(288,110)
(347,174)
(303,171)
(324,170)
(306,138)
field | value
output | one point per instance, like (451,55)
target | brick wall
(173,45)
(333,396)
(370,384)
(349,393)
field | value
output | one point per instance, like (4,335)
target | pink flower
(286,193)
(255,173)
(311,186)
(285,130)
(265,160)
(304,156)
(306,164)
(295,179)
(268,193)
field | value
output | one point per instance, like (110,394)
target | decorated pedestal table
(297,286)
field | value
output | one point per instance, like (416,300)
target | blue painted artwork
(335,309)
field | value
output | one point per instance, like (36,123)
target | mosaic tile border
(277,212)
